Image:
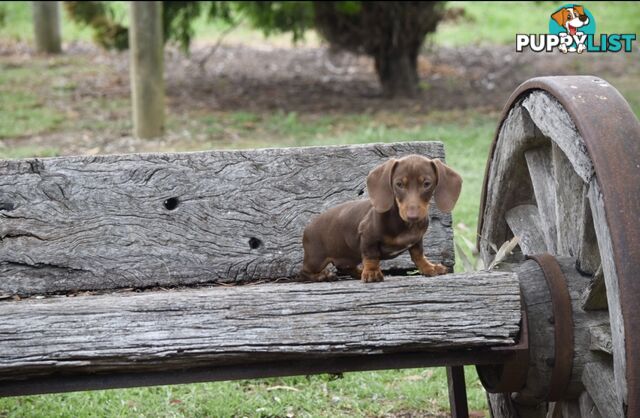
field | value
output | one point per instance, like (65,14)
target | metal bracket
(562,322)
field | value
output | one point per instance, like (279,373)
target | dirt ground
(266,78)
(317,80)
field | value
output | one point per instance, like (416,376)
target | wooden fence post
(46,26)
(147,68)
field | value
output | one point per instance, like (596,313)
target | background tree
(392,33)
(46,25)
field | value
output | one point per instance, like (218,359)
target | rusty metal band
(562,325)
(511,376)
(611,133)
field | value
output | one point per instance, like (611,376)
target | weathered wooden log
(217,326)
(142,220)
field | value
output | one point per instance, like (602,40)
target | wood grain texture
(601,339)
(541,322)
(539,163)
(537,121)
(570,409)
(588,252)
(594,296)
(612,292)
(599,381)
(100,222)
(569,204)
(161,330)
(524,222)
(588,408)
(509,180)
(554,122)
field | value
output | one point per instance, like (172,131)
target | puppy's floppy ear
(448,187)
(579,9)
(561,16)
(379,186)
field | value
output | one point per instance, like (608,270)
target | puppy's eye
(427,184)
(399,184)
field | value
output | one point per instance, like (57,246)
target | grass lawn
(24,114)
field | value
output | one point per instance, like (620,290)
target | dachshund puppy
(356,235)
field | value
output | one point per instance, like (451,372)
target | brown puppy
(394,219)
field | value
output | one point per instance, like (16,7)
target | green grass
(24,115)
(484,23)
(355,394)
(22,111)
(498,22)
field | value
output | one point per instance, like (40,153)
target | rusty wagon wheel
(564,176)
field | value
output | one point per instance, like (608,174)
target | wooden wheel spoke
(588,252)
(570,409)
(599,382)
(524,221)
(568,204)
(600,339)
(594,296)
(540,167)
(588,408)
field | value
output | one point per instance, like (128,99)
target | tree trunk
(46,25)
(398,73)
(147,82)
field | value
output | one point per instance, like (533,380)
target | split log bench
(171,229)
(133,270)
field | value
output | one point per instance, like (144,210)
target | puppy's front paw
(370,276)
(428,269)
(440,269)
(323,276)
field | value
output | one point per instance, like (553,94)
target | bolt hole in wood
(255,243)
(171,203)
(8,206)
(361,192)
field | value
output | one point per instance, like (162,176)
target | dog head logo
(572,28)
(572,23)
(571,18)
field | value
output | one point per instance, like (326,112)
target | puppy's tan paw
(323,276)
(370,276)
(428,269)
(440,269)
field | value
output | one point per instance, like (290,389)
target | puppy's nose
(413,213)
(583,18)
